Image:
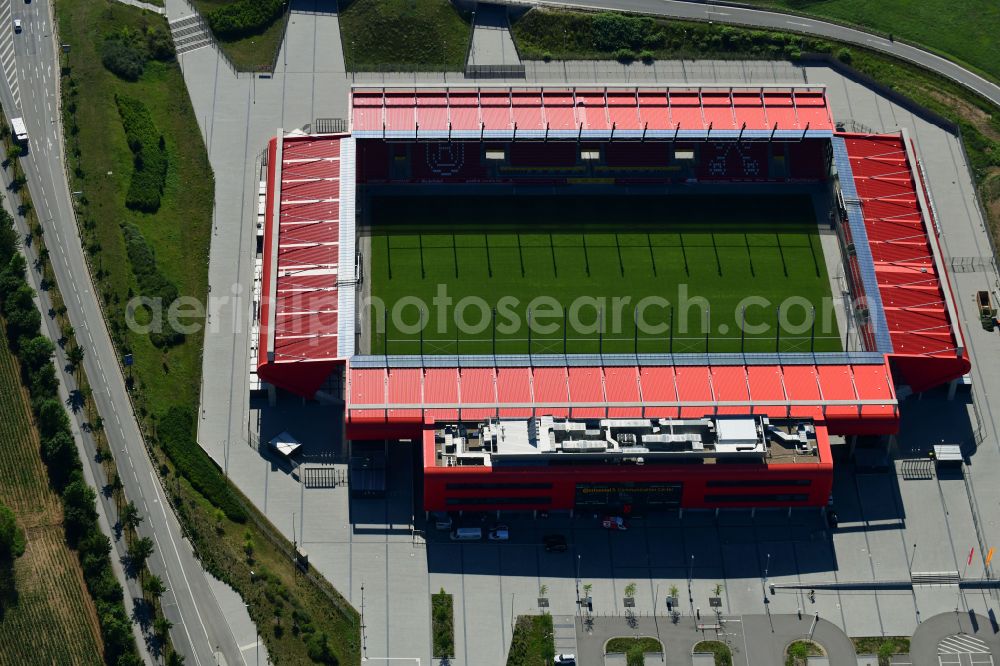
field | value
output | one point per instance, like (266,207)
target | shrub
(244,17)
(123,58)
(646,56)
(844,55)
(159,44)
(149,173)
(614,32)
(176,436)
(624,55)
(318,647)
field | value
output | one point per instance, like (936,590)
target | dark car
(555,543)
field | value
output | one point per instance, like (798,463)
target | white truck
(19,130)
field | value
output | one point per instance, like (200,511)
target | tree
(51,418)
(117,633)
(630,590)
(139,552)
(154,587)
(43,382)
(175,660)
(59,453)
(75,356)
(162,626)
(79,512)
(35,353)
(130,516)
(11,536)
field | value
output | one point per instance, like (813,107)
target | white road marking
(804,25)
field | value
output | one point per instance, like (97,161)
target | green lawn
(965,31)
(253,53)
(532,643)
(633,648)
(723,655)
(404,35)
(569,260)
(101,168)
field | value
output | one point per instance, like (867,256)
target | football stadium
(604,297)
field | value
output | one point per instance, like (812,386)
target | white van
(467,534)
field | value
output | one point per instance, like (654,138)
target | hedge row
(152,283)
(149,151)
(175,432)
(65,470)
(244,18)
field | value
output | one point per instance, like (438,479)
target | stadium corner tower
(493,190)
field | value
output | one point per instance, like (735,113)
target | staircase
(190,33)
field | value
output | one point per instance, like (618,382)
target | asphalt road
(697,10)
(201,631)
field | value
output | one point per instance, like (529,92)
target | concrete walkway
(491,40)
(144,5)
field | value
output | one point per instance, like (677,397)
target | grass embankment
(532,643)
(884,647)
(253,45)
(302,619)
(723,655)
(443,624)
(404,35)
(580,35)
(633,648)
(54,619)
(668,263)
(963,31)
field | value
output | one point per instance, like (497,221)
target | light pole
(690,592)
(578,558)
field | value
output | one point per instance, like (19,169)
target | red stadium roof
(852,398)
(301,257)
(912,281)
(534,112)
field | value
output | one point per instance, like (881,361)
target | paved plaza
(381,556)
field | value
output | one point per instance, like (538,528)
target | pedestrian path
(564,633)
(492,44)
(149,7)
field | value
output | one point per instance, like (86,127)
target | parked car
(17,25)
(614,523)
(467,534)
(498,533)
(565,659)
(555,543)
(442,521)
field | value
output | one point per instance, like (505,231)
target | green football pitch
(585,275)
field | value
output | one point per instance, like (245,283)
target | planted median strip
(443,624)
